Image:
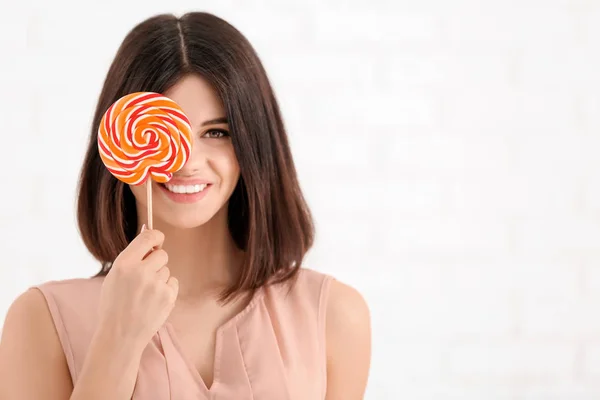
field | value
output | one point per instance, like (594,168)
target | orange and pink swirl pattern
(143,135)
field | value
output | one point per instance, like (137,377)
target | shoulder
(71,300)
(28,310)
(348,338)
(310,279)
(58,316)
(72,286)
(340,300)
(74,293)
(30,338)
(306,284)
(28,318)
(343,303)
(339,303)
(346,308)
(34,306)
(302,300)
(39,305)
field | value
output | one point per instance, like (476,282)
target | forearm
(109,371)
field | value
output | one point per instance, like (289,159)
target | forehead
(197,98)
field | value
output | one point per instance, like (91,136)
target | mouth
(185,189)
(185,193)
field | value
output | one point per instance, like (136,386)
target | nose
(196,160)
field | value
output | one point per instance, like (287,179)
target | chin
(186,220)
(192,217)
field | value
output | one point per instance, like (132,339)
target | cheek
(139,192)
(229,166)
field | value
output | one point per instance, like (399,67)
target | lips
(186,189)
(188,193)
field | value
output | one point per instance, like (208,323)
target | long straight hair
(267,214)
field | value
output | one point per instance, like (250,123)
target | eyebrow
(216,121)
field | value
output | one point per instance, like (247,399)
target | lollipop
(144,135)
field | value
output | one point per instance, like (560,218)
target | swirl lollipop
(144,135)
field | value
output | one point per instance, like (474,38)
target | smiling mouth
(185,189)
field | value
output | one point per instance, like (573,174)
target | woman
(213,303)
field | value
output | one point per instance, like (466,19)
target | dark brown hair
(268,216)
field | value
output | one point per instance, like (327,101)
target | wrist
(112,341)
(110,368)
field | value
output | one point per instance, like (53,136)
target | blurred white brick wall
(449,150)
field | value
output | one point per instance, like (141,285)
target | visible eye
(216,134)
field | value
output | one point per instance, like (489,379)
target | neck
(204,259)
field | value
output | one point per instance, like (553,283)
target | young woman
(214,302)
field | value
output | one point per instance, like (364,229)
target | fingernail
(143,228)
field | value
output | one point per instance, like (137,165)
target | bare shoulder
(31,356)
(346,308)
(348,342)
(28,316)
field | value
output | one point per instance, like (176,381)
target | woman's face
(204,185)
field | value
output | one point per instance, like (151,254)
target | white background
(449,150)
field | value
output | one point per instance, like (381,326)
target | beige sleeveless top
(274,349)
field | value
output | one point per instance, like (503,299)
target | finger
(173,283)
(142,244)
(156,260)
(163,274)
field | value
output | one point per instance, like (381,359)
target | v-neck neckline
(173,337)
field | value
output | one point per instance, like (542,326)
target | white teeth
(186,188)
